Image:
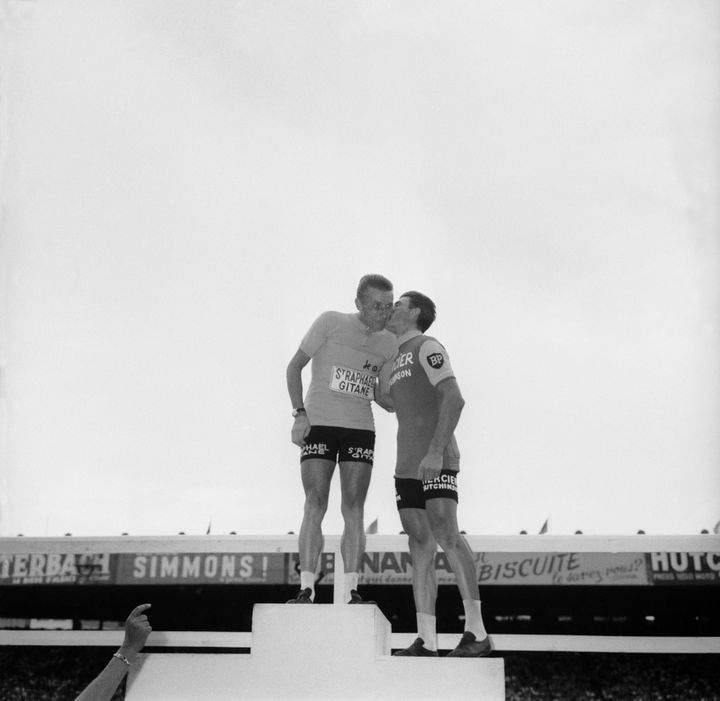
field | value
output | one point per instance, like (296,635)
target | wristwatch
(299,410)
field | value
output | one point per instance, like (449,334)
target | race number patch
(352,382)
(436,360)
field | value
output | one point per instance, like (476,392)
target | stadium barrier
(690,544)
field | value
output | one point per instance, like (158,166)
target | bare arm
(104,686)
(301,425)
(450,407)
(382,389)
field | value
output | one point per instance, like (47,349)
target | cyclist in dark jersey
(334,423)
(422,389)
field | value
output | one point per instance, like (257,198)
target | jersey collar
(363,327)
(408,335)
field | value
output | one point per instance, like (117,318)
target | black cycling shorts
(412,493)
(339,445)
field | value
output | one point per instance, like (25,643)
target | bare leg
(316,477)
(422,550)
(354,483)
(442,515)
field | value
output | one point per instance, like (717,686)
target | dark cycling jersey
(420,365)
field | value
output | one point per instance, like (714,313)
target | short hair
(379,282)
(426,306)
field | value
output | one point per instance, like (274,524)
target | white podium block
(318,651)
(186,677)
(320,631)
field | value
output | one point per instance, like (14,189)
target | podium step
(318,651)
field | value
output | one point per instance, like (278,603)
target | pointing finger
(138,610)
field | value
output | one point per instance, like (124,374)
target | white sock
(307,581)
(426,630)
(473,618)
(351,582)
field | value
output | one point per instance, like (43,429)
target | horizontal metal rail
(446,641)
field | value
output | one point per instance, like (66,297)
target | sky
(185,186)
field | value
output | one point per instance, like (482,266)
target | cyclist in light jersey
(334,423)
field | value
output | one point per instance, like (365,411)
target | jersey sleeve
(435,361)
(317,335)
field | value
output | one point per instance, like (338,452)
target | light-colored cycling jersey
(420,365)
(346,360)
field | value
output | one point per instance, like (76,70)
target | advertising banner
(562,568)
(684,568)
(493,568)
(202,568)
(503,568)
(138,568)
(57,568)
